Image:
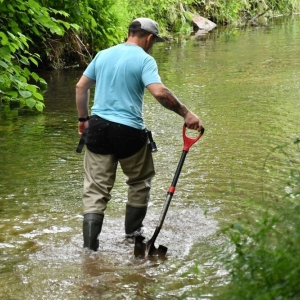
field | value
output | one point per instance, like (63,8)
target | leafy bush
(265,263)
(101,24)
(14,76)
(19,21)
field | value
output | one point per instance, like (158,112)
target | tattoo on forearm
(170,101)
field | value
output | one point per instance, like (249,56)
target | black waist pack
(106,137)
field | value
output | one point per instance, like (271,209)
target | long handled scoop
(144,248)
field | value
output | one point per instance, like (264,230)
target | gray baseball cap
(148,25)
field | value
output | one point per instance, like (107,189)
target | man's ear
(150,37)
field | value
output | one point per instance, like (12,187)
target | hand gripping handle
(188,141)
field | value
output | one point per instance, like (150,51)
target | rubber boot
(92,224)
(134,220)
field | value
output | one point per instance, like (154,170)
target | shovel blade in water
(161,251)
(143,248)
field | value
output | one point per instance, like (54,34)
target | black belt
(82,141)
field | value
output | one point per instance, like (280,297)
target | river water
(243,83)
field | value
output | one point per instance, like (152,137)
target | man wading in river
(116,131)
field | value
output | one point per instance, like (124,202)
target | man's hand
(192,121)
(82,126)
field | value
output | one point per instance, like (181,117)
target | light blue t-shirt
(121,73)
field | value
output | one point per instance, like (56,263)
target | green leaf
(33,4)
(33,60)
(60,12)
(39,106)
(25,94)
(13,47)
(43,84)
(56,29)
(24,60)
(35,30)
(4,38)
(3,64)
(10,7)
(42,80)
(4,51)
(38,96)
(26,72)
(66,24)
(19,84)
(22,7)
(93,23)
(12,36)
(12,94)
(32,88)
(35,76)
(14,26)
(22,103)
(30,102)
(23,40)
(75,26)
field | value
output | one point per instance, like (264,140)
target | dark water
(243,83)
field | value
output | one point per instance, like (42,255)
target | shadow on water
(246,92)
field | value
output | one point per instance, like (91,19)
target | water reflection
(245,86)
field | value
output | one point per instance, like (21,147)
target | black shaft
(179,167)
(168,199)
(149,247)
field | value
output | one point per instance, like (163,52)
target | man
(115,129)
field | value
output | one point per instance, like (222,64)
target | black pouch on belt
(94,136)
(81,142)
(106,137)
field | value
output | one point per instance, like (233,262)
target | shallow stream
(243,83)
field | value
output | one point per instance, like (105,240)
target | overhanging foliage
(35,33)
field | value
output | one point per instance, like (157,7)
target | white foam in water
(180,231)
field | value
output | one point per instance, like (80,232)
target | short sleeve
(150,72)
(90,70)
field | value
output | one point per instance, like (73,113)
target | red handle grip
(188,141)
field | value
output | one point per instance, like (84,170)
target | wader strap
(81,142)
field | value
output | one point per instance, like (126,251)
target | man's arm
(169,100)
(82,100)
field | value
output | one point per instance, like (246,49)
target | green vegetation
(99,24)
(37,34)
(265,261)
(20,21)
(230,11)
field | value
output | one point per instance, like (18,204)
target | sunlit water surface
(243,83)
